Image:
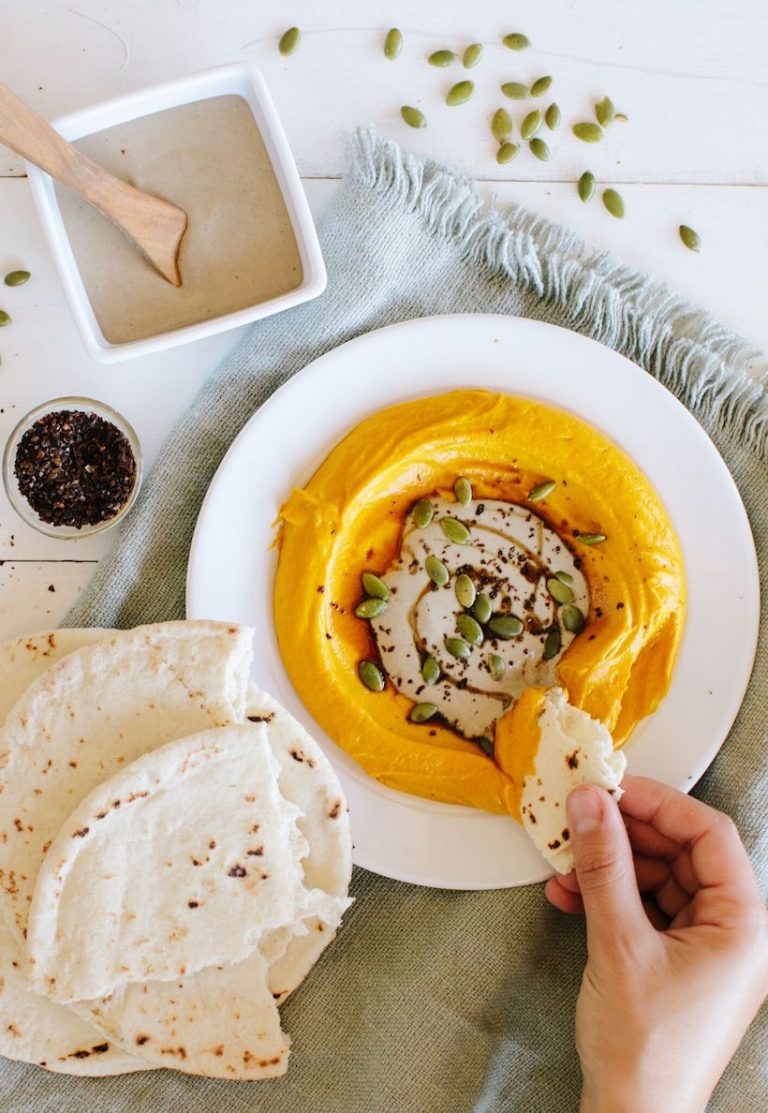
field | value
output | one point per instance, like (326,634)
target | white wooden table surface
(690,75)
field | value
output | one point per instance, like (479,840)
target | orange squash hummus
(350,518)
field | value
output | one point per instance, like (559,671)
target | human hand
(677,938)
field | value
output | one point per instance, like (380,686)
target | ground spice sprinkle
(75,468)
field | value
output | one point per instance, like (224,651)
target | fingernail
(585,810)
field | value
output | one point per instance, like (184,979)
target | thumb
(604,869)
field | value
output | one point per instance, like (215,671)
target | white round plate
(232,566)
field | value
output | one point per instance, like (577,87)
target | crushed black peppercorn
(74,468)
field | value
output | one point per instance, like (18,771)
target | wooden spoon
(155,226)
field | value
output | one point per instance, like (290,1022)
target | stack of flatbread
(174,853)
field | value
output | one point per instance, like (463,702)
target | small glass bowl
(17,499)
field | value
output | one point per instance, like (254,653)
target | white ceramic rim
(240,78)
(231,570)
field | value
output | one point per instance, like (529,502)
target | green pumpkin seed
(371,675)
(17,278)
(572,619)
(552,117)
(482,608)
(413,117)
(505,626)
(462,489)
(430,670)
(5,318)
(564,577)
(455,531)
(687,235)
(472,55)
(422,513)
(540,149)
(436,570)
(501,125)
(470,629)
(614,203)
(514,90)
(559,591)
(531,124)
(605,112)
(552,644)
(588,133)
(374,586)
(460,93)
(586,186)
(393,43)
(370,608)
(540,85)
(516,41)
(289,40)
(591,538)
(486,745)
(541,490)
(422,712)
(465,590)
(441,58)
(458,648)
(497,665)
(506,153)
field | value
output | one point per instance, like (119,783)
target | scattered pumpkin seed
(540,149)
(621,118)
(531,124)
(465,590)
(541,490)
(371,675)
(422,513)
(5,318)
(458,648)
(559,591)
(515,90)
(413,117)
(17,278)
(436,570)
(586,186)
(430,670)
(605,112)
(460,93)
(552,644)
(472,55)
(572,619)
(540,85)
(591,538)
(462,489)
(564,577)
(506,153)
(455,531)
(374,586)
(614,203)
(687,235)
(516,41)
(370,608)
(501,125)
(486,745)
(422,712)
(497,665)
(289,40)
(441,58)
(393,43)
(482,608)
(506,626)
(587,132)
(470,629)
(552,117)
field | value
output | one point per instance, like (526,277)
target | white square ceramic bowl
(241,80)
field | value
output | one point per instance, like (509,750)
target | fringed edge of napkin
(702,362)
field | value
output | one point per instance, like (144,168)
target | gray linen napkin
(433,1001)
